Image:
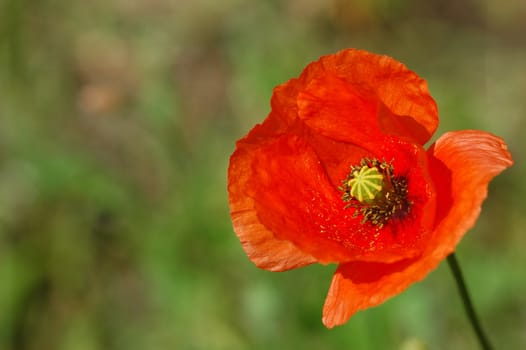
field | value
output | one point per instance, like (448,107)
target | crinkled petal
(355,95)
(462,165)
(259,243)
(472,159)
(336,109)
(358,285)
(401,90)
(295,199)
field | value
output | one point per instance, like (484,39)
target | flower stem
(468,305)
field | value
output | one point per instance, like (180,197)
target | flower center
(376,193)
(365,183)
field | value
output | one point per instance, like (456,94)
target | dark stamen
(390,203)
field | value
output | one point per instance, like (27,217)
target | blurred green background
(117,119)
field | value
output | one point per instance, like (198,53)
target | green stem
(468,305)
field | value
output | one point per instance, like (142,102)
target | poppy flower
(338,173)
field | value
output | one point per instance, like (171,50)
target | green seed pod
(366,184)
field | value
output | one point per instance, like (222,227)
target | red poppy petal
(336,109)
(462,165)
(401,90)
(375,93)
(472,159)
(359,285)
(262,247)
(260,244)
(295,199)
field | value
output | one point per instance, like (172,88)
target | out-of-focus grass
(116,122)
